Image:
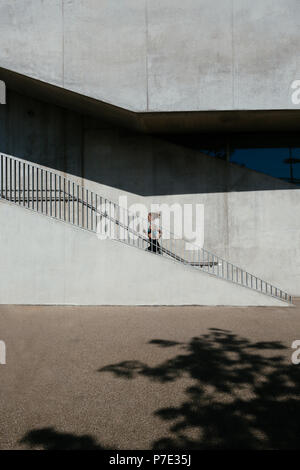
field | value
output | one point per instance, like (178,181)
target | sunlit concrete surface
(151,377)
(45,261)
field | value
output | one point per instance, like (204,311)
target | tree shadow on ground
(243,394)
(50,439)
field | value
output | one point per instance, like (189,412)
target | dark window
(277,155)
(283,163)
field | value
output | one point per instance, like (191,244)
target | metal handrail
(50,193)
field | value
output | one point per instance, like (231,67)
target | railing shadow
(243,394)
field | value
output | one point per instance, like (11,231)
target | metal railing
(51,194)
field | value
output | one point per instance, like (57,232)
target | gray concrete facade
(249,217)
(163,60)
(44,261)
(159,55)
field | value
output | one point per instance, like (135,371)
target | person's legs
(154,246)
(151,246)
(157,247)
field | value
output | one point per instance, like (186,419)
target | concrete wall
(158,55)
(249,217)
(44,261)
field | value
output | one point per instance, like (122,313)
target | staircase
(48,193)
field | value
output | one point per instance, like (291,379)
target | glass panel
(280,163)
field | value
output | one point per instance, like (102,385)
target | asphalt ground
(149,377)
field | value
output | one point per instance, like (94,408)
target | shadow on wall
(243,394)
(141,164)
(50,439)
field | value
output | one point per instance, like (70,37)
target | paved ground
(138,378)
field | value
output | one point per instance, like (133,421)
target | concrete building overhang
(210,121)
